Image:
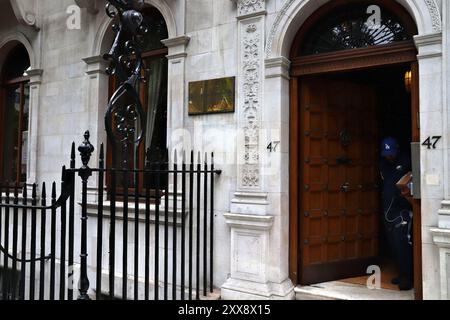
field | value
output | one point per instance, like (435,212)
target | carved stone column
(441,234)
(176,93)
(441,237)
(97,102)
(430,61)
(176,85)
(256,266)
(35,88)
(249,255)
(250,197)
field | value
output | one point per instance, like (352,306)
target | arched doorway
(354,81)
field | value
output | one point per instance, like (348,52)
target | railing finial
(86,149)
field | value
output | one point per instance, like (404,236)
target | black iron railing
(169,256)
(19,211)
(176,253)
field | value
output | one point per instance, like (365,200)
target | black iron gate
(169,255)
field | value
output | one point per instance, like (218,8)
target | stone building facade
(209,39)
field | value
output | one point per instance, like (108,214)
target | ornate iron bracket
(125,120)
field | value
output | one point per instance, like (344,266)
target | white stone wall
(211,53)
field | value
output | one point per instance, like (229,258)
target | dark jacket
(391,173)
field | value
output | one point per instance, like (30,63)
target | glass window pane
(10,134)
(156,104)
(25,118)
(16,63)
(157,30)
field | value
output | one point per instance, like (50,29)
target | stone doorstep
(236,289)
(337,290)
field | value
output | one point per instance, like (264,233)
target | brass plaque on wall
(212,96)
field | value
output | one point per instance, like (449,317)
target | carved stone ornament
(251,104)
(436,16)
(250,6)
(250,13)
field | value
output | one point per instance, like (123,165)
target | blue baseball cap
(389,147)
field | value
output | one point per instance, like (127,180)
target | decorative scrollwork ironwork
(349,27)
(125,120)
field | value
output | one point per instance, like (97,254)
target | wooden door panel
(339,206)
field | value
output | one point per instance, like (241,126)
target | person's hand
(404,186)
(406,193)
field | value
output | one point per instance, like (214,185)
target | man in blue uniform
(397,211)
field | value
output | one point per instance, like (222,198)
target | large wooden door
(338,179)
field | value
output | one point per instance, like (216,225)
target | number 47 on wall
(273,146)
(431,142)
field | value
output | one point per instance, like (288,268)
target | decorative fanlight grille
(350,28)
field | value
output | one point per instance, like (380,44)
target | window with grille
(354,26)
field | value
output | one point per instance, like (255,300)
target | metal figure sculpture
(125,120)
